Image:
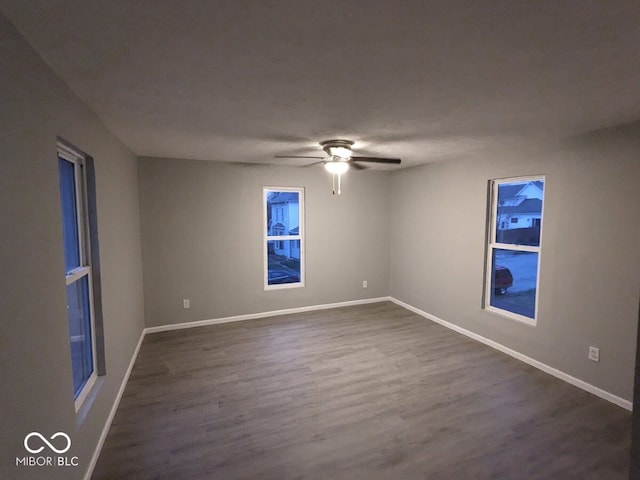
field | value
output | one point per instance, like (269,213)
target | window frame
(492,244)
(277,238)
(85,268)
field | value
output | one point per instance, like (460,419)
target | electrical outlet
(186,303)
(365,284)
(594,354)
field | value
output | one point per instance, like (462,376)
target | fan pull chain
(333,176)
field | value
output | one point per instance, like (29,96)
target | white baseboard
(252,316)
(112,413)
(621,402)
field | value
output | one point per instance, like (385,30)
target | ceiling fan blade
(313,164)
(395,161)
(296,156)
(357,166)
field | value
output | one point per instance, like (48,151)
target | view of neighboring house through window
(514,246)
(284,251)
(71,168)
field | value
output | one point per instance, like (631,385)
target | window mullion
(284,237)
(76,274)
(516,247)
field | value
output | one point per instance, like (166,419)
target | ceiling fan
(339,159)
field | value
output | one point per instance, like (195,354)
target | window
(283,241)
(513,251)
(78,270)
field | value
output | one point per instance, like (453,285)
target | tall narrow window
(78,270)
(514,247)
(284,237)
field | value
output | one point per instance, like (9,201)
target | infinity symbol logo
(39,435)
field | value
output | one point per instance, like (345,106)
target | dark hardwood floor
(366,392)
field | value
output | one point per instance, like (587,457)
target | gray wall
(35,364)
(590,263)
(202,238)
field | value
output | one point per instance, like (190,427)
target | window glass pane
(69,214)
(513,281)
(519,215)
(283,213)
(80,332)
(283,260)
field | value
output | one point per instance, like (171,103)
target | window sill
(82,409)
(531,322)
(283,286)
(85,392)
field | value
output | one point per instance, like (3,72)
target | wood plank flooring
(366,392)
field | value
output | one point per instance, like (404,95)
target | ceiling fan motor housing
(328,145)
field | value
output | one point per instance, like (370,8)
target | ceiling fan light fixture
(337,148)
(340,151)
(336,167)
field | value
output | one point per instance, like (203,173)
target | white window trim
(84,269)
(493,245)
(267,237)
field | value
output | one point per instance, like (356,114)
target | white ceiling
(243,80)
